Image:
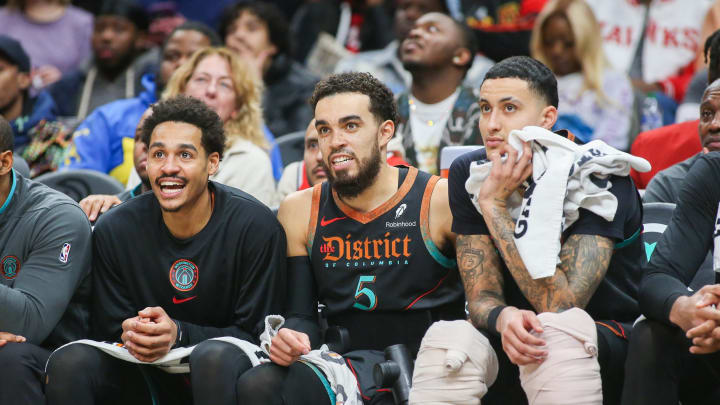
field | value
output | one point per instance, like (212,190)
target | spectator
(665,186)
(259,33)
(54,33)
(114,72)
(357,25)
(44,261)
(98,204)
(104,141)
(663,147)
(223,252)
(23,112)
(689,109)
(228,86)
(502,27)
(385,64)
(655,42)
(307,172)
(596,101)
(437,111)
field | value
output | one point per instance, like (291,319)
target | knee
(212,353)
(17,360)
(262,384)
(651,342)
(70,362)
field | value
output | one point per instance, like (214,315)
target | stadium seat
(21,166)
(449,153)
(78,184)
(656,217)
(292,147)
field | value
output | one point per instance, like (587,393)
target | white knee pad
(571,373)
(455,365)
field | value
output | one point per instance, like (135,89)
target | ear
(6,162)
(385,133)
(23,80)
(461,58)
(213,163)
(548,118)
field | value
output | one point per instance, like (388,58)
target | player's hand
(6,338)
(287,346)
(505,177)
(96,204)
(150,335)
(697,312)
(518,343)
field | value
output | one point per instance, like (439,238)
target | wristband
(492,319)
(178,338)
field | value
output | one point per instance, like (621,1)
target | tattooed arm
(479,267)
(584,258)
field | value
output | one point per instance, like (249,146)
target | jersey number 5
(360,291)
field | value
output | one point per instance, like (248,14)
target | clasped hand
(150,335)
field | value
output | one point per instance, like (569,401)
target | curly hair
(277,25)
(382,101)
(191,111)
(247,123)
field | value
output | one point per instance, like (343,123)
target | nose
(493,122)
(211,89)
(337,140)
(170,166)
(107,34)
(415,32)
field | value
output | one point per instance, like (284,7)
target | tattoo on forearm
(479,267)
(584,261)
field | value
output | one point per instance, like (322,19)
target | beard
(350,187)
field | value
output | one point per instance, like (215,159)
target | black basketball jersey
(368,266)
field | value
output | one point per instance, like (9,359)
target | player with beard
(372,244)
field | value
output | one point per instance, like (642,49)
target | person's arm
(684,244)
(584,258)
(480,271)
(90,148)
(301,324)
(659,189)
(47,279)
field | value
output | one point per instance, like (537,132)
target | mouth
(105,54)
(171,188)
(319,172)
(410,46)
(493,141)
(341,162)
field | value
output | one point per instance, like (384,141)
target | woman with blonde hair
(221,80)
(596,102)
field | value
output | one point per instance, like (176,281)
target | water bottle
(651,117)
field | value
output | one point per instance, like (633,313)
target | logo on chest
(10,267)
(183,275)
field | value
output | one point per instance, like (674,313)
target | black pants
(83,375)
(612,350)
(270,384)
(23,371)
(661,370)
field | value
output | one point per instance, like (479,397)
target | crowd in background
(82,73)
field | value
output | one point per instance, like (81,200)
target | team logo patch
(64,253)
(183,275)
(10,267)
(400,210)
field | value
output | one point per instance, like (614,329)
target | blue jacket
(42,107)
(106,139)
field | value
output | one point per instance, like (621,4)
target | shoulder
(127,216)
(295,208)
(53,205)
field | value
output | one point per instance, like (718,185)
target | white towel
(341,379)
(566,177)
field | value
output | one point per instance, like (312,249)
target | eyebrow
(181,146)
(349,118)
(502,100)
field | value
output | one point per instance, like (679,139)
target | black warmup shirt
(379,274)
(686,241)
(616,296)
(221,282)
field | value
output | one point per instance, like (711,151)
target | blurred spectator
(259,33)
(23,112)
(655,42)
(307,172)
(115,71)
(663,147)
(666,185)
(690,107)
(228,86)
(596,101)
(55,34)
(502,27)
(97,204)
(104,141)
(437,111)
(207,12)
(357,25)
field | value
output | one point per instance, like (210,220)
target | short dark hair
(712,56)
(191,111)
(277,25)
(382,102)
(128,9)
(197,26)
(6,135)
(540,78)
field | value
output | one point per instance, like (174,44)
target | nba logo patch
(64,253)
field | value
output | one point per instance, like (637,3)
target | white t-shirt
(427,123)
